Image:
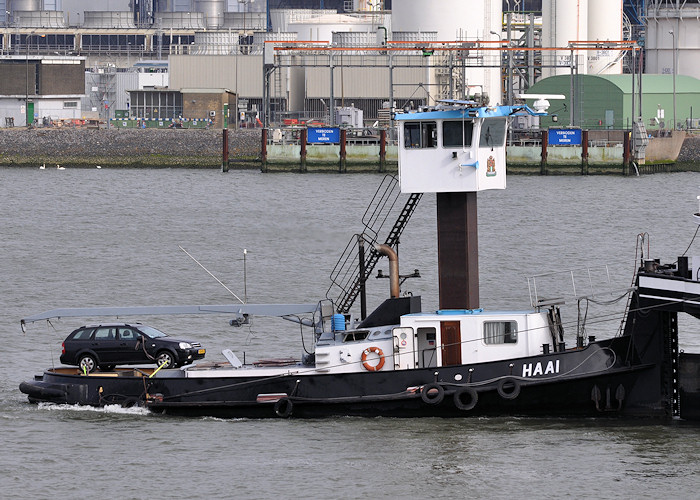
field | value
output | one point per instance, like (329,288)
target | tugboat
(460,360)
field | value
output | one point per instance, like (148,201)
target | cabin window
(500,332)
(419,135)
(355,336)
(457,134)
(493,133)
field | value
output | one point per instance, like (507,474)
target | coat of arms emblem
(490,166)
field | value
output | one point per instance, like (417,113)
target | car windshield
(151,332)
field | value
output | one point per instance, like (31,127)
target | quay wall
(178,148)
(81,147)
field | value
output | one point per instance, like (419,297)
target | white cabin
(455,149)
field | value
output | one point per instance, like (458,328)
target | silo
(25,5)
(213,11)
(452,19)
(456,20)
(321,28)
(604,23)
(563,21)
(673,33)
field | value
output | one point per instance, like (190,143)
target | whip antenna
(210,274)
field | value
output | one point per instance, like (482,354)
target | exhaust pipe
(393,268)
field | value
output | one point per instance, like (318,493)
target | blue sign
(323,135)
(564,136)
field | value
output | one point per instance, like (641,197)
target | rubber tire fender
(459,402)
(432,393)
(504,390)
(284,407)
(131,402)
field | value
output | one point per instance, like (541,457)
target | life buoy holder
(508,388)
(378,352)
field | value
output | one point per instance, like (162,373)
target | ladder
(345,277)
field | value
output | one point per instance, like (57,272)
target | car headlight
(185,345)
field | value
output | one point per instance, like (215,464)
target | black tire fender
(508,388)
(284,407)
(465,398)
(432,393)
(131,402)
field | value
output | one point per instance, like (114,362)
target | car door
(106,344)
(130,350)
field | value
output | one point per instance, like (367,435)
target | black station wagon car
(107,345)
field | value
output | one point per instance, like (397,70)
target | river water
(87,237)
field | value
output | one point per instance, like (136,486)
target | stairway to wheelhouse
(360,256)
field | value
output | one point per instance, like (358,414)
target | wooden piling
(302,167)
(543,154)
(263,150)
(626,154)
(584,152)
(382,150)
(343,150)
(224,161)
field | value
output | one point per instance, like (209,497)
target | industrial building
(291,60)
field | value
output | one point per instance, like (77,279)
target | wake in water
(108,409)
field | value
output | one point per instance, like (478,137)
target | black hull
(599,384)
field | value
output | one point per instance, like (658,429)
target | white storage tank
(280,18)
(321,28)
(213,11)
(604,23)
(455,20)
(563,21)
(452,19)
(25,5)
(684,42)
(215,43)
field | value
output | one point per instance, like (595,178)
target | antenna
(210,274)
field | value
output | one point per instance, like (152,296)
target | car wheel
(87,363)
(165,359)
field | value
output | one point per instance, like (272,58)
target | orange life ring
(379,353)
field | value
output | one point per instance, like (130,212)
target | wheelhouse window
(419,135)
(354,336)
(500,332)
(493,133)
(457,134)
